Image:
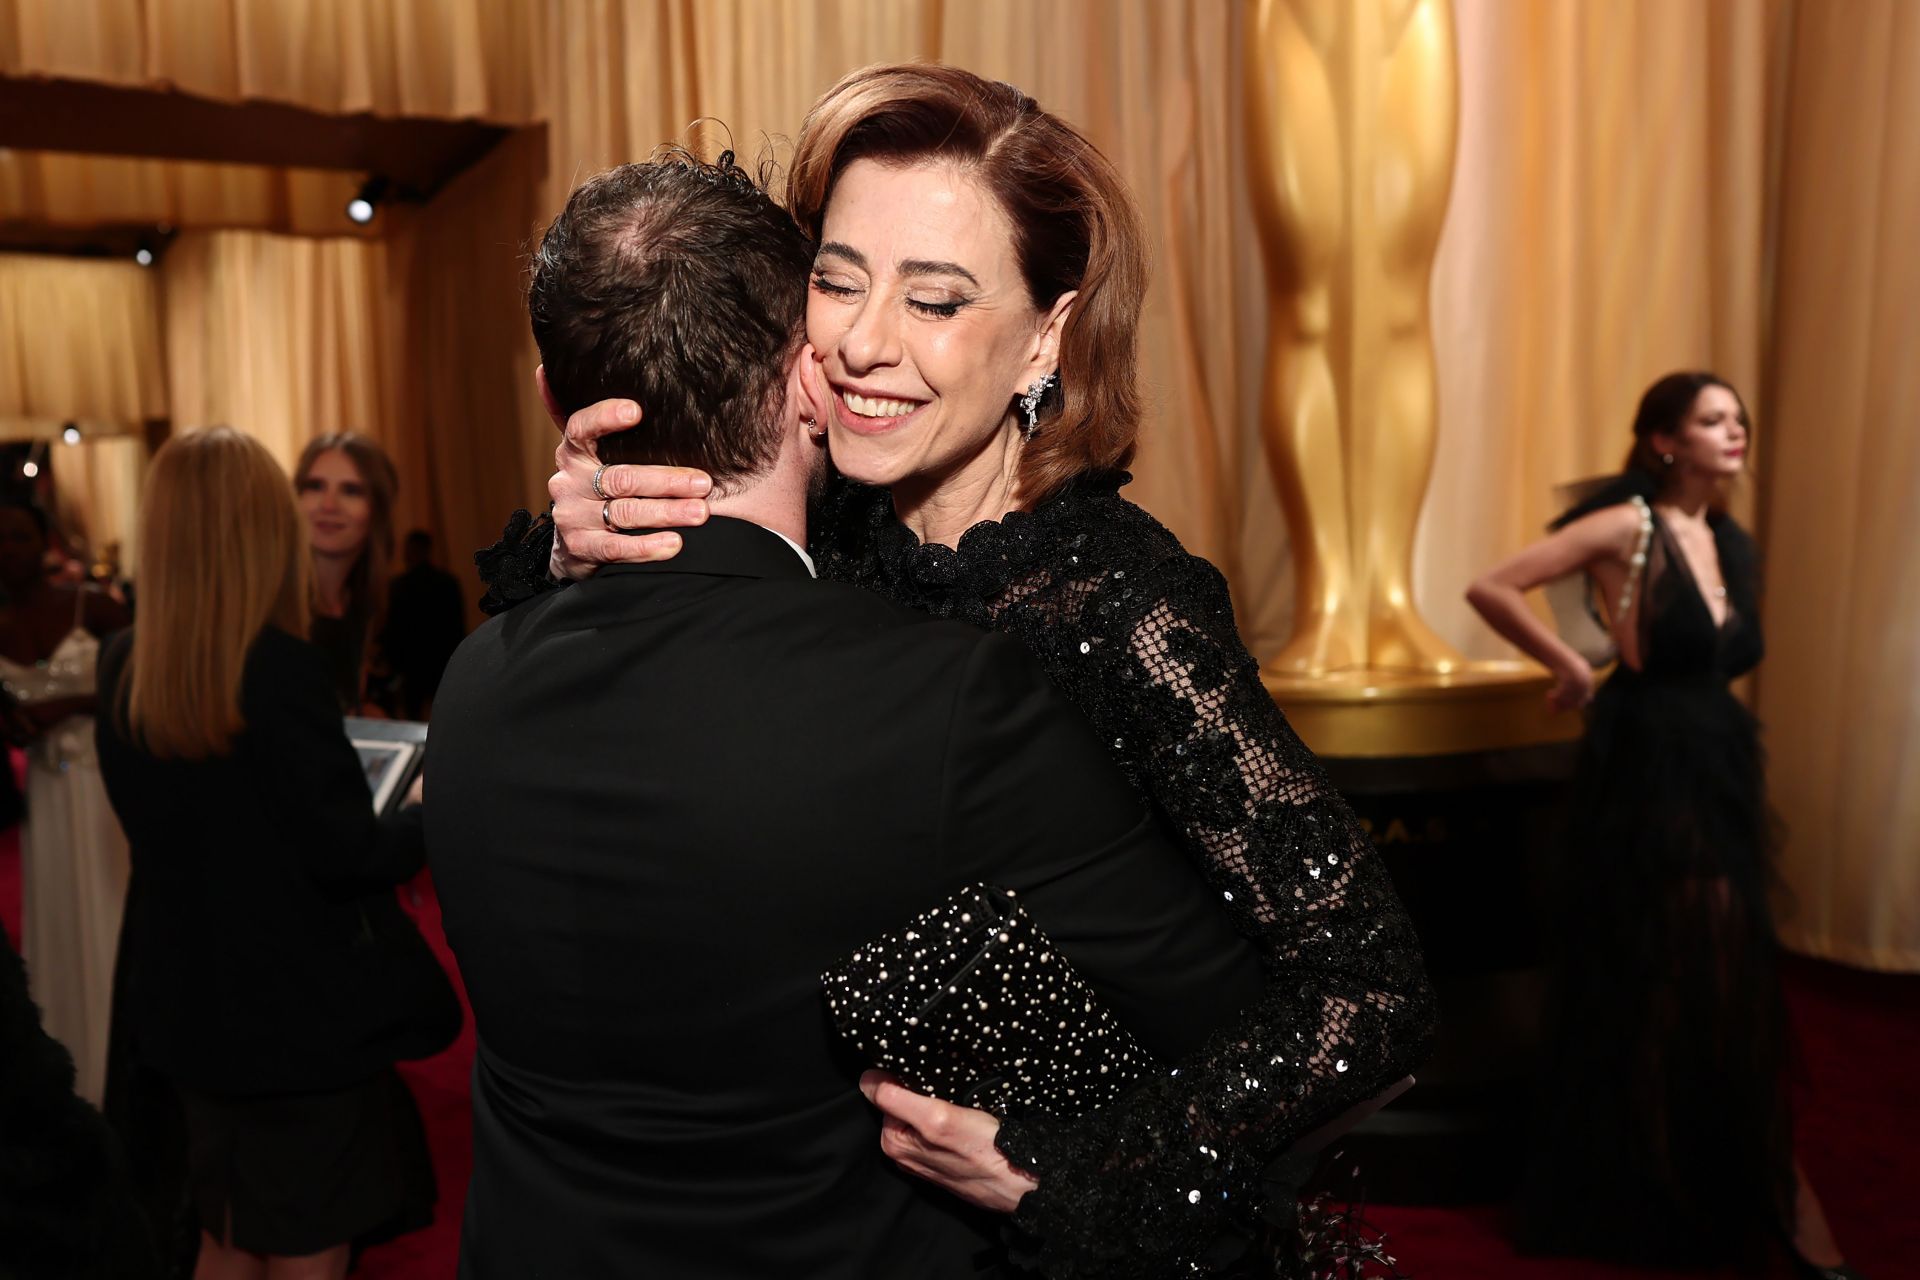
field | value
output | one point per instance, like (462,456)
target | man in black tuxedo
(668,797)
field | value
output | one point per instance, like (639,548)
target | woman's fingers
(580,520)
(654,513)
(597,548)
(930,1117)
(585,427)
(634,480)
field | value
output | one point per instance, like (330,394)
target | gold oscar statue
(1353,112)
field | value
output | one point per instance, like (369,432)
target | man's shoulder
(818,623)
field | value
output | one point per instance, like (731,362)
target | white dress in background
(73,863)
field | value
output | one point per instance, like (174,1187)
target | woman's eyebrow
(845,252)
(911,267)
(923,267)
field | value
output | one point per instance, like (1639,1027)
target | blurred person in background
(1665,1134)
(73,858)
(346,484)
(67,1209)
(270,974)
(426,621)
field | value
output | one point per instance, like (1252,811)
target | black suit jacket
(663,802)
(264,951)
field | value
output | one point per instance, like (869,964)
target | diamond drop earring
(1030,402)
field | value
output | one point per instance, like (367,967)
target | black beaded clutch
(970,1003)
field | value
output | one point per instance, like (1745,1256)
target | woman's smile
(872,412)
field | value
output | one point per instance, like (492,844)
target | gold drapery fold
(67,190)
(474,442)
(283,337)
(1608,225)
(79,342)
(445,58)
(1843,584)
(96,492)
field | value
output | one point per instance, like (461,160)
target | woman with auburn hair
(269,973)
(973,313)
(347,488)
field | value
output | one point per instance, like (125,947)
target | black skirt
(1664,1132)
(294,1174)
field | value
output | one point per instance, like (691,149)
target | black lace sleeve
(1147,1187)
(515,568)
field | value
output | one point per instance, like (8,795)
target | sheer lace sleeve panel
(1143,1188)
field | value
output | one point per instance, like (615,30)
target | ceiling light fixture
(360,209)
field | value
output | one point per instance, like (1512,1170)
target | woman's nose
(872,341)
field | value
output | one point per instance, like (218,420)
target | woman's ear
(1045,355)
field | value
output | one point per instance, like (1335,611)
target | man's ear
(1044,357)
(807,389)
(546,397)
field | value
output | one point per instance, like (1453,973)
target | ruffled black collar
(993,554)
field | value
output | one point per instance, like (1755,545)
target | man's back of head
(683,286)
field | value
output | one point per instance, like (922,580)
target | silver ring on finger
(598,491)
(606,518)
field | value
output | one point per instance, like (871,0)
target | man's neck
(769,511)
(777,498)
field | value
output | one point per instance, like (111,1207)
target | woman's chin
(856,458)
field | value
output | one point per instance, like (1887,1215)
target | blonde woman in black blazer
(271,976)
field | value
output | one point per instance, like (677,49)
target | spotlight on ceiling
(29,468)
(143,256)
(71,434)
(360,208)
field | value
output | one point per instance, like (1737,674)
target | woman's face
(338,507)
(1713,439)
(921,320)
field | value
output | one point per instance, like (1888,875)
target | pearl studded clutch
(971,1003)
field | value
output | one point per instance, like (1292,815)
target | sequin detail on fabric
(1141,636)
(970,1002)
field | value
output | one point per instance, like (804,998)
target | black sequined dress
(1663,1134)
(1140,635)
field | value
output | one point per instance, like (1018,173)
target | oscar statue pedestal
(1460,779)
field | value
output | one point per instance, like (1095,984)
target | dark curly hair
(683,286)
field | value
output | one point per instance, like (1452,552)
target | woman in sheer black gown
(1136,631)
(1664,1133)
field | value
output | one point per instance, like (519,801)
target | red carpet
(1859,1134)
(1860,1143)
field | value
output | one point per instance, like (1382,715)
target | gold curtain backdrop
(1640,186)
(1840,692)
(64,190)
(96,496)
(1609,224)
(79,342)
(448,58)
(469,435)
(284,336)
